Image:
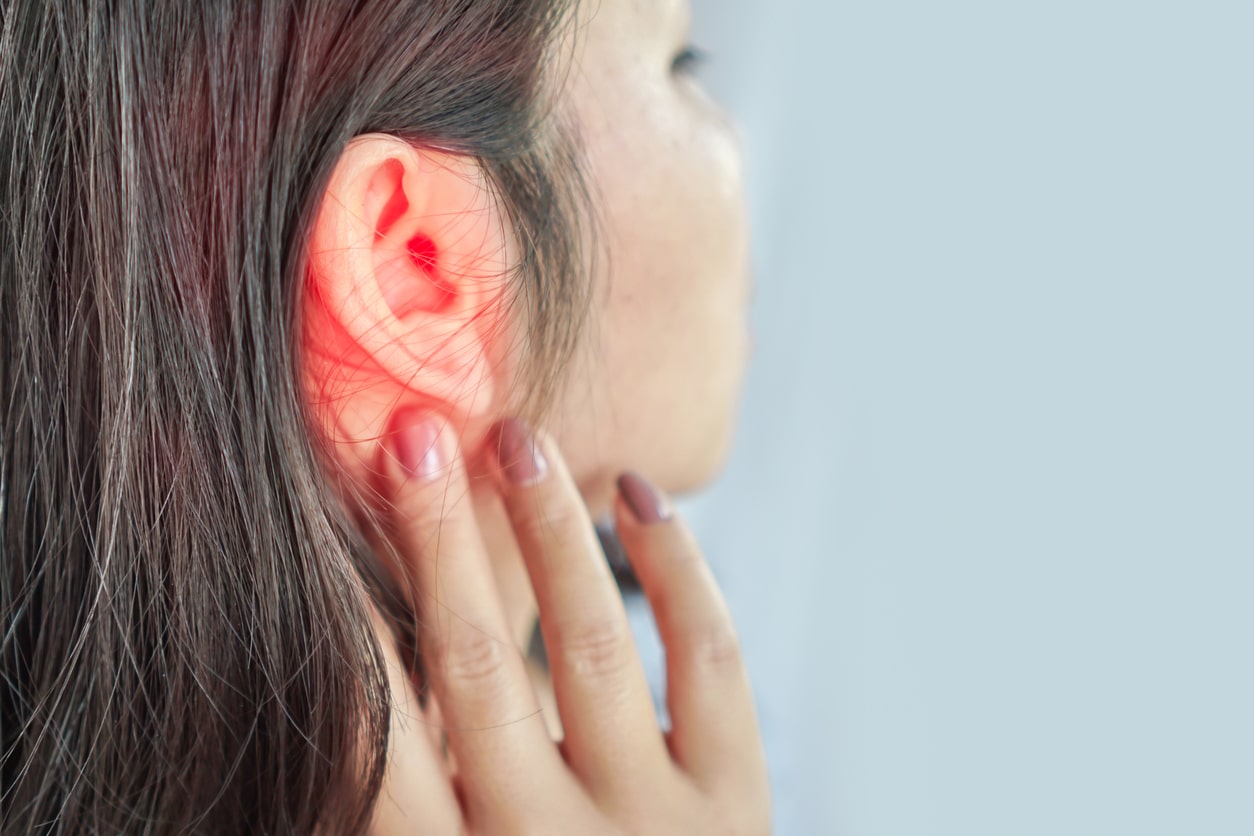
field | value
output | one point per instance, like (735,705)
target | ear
(407,263)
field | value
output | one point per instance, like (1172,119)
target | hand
(615,772)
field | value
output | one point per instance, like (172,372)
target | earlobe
(408,258)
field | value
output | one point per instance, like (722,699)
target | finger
(611,730)
(714,729)
(416,791)
(495,731)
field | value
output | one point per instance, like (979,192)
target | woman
(284,286)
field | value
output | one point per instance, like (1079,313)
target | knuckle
(599,649)
(540,520)
(715,649)
(471,659)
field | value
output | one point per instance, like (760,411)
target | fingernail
(518,453)
(643,499)
(417,445)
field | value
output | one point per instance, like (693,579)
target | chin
(685,460)
(700,478)
(704,462)
(678,476)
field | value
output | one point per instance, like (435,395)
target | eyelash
(689,60)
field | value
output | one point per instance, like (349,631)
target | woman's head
(418,299)
(184,632)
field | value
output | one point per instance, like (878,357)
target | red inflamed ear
(407,265)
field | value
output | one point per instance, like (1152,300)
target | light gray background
(989,527)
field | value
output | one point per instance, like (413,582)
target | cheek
(678,286)
(669,341)
(677,205)
(703,245)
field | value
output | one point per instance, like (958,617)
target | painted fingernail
(417,444)
(643,499)
(518,453)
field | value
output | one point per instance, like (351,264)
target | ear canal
(417,287)
(423,253)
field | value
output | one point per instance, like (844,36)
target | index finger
(612,734)
(495,730)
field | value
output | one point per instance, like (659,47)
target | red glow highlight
(426,257)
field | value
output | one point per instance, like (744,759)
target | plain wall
(988,530)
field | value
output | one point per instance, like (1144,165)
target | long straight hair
(183,638)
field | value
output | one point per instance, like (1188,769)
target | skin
(615,772)
(657,386)
(654,387)
(673,298)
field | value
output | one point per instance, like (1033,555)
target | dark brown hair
(184,642)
